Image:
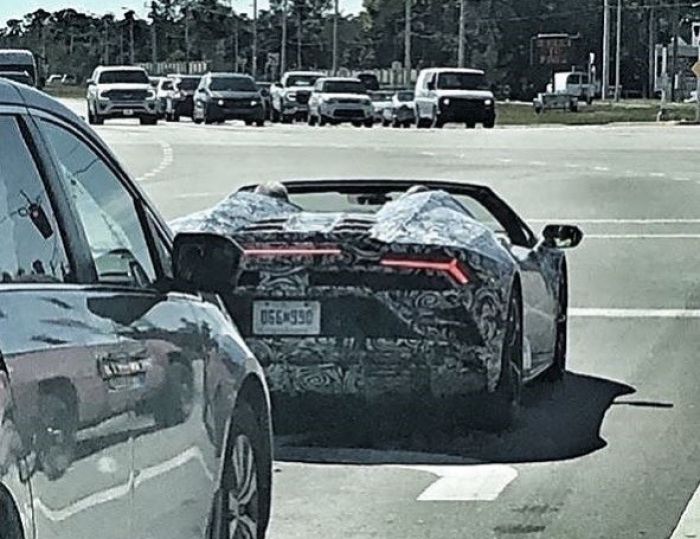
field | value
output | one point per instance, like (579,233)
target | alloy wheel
(243,497)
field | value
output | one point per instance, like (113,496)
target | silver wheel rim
(243,491)
(514,352)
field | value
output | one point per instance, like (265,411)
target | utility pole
(676,29)
(187,39)
(651,31)
(462,22)
(618,50)
(407,45)
(154,36)
(105,54)
(131,41)
(255,38)
(283,45)
(335,38)
(299,37)
(236,51)
(606,50)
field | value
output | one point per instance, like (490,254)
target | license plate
(286,318)
(128,112)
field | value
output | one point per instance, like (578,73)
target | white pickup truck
(290,97)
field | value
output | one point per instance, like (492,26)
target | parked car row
(441,96)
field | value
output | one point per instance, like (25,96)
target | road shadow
(558,421)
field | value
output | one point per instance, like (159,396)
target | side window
(106,210)
(162,247)
(31,248)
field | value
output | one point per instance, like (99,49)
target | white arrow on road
(477,482)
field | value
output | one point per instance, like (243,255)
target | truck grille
(126,95)
(357,113)
(303,97)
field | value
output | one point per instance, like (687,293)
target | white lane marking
(619,221)
(571,165)
(657,174)
(601,169)
(481,482)
(642,236)
(689,524)
(114,493)
(537,163)
(165,162)
(586,312)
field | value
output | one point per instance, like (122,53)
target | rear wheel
(558,369)
(504,404)
(369,123)
(322,120)
(490,124)
(470,125)
(312,120)
(260,123)
(424,123)
(245,488)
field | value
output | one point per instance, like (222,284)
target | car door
(72,418)
(161,342)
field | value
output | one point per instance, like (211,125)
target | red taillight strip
(289,251)
(452,268)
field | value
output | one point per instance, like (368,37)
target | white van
(18,61)
(445,95)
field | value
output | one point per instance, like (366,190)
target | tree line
(498,36)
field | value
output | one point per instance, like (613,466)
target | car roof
(20,54)
(456,70)
(229,75)
(296,73)
(21,95)
(341,79)
(119,68)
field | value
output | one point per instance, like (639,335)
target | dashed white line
(601,169)
(165,162)
(585,312)
(482,482)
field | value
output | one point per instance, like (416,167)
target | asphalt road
(614,452)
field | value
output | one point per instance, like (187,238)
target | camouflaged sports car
(373,288)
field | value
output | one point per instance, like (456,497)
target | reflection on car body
(105,350)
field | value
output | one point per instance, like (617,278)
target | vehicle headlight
(446,101)
(220,102)
(150,94)
(102,95)
(253,103)
(292,96)
(488,102)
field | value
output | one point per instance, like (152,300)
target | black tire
(151,120)
(423,123)
(260,123)
(387,123)
(322,120)
(249,122)
(246,439)
(274,116)
(176,117)
(369,123)
(287,119)
(174,403)
(56,440)
(312,120)
(490,124)
(503,406)
(470,125)
(97,119)
(557,371)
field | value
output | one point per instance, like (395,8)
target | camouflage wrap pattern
(433,354)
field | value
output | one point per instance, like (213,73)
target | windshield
(166,85)
(462,81)
(18,68)
(302,80)
(188,84)
(232,84)
(123,77)
(344,87)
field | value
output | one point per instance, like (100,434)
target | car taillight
(292,251)
(453,267)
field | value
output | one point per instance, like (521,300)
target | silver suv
(121,92)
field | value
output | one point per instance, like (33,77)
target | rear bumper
(370,368)
(347,113)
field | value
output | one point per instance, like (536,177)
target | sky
(15,9)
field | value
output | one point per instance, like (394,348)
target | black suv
(228,96)
(126,393)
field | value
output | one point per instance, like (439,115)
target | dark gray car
(126,393)
(228,96)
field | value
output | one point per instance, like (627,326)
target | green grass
(596,114)
(66,91)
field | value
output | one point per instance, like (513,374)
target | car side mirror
(431,85)
(89,82)
(205,262)
(562,236)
